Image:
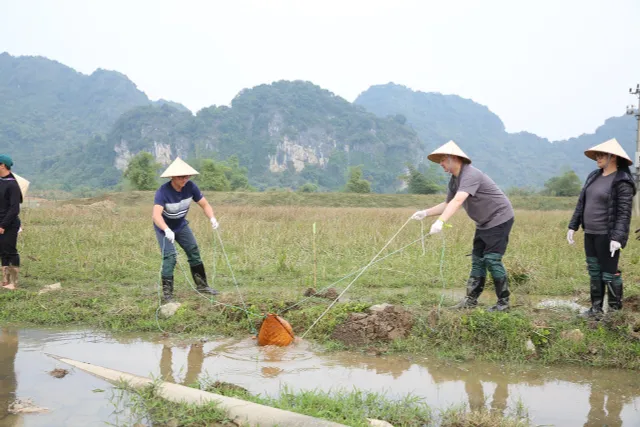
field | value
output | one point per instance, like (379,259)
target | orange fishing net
(275,331)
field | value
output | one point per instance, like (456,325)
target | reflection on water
(605,407)
(8,382)
(598,397)
(195,358)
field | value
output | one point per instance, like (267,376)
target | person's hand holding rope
(420,215)
(436,227)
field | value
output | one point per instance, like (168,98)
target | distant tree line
(143,171)
(567,184)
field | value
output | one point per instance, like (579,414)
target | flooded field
(566,396)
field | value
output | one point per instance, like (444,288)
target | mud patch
(382,323)
(221,387)
(59,373)
(634,329)
(574,335)
(330,293)
(632,303)
(624,320)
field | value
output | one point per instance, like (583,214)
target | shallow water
(568,396)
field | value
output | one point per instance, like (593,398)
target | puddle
(598,397)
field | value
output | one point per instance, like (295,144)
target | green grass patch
(348,407)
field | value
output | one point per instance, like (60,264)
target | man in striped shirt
(171,205)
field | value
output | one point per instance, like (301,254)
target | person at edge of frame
(10,225)
(604,212)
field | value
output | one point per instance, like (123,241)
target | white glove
(420,215)
(613,247)
(570,236)
(170,235)
(214,223)
(19,230)
(436,227)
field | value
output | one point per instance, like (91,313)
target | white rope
(424,252)
(349,275)
(444,245)
(233,276)
(160,289)
(191,284)
(356,278)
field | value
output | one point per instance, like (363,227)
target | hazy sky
(555,68)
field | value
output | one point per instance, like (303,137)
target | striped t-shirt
(176,204)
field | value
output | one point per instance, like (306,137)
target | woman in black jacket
(604,212)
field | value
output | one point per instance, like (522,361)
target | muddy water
(558,396)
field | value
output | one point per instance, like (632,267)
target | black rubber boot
(596,290)
(200,278)
(502,292)
(475,286)
(614,290)
(167,290)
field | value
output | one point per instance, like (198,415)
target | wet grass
(500,337)
(352,408)
(461,417)
(104,253)
(145,406)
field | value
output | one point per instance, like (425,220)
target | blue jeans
(187,242)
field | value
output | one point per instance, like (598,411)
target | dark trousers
(8,248)
(488,248)
(493,240)
(187,242)
(604,273)
(597,246)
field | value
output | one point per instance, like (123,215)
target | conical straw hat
(24,185)
(179,168)
(450,148)
(610,147)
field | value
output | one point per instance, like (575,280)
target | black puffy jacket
(620,205)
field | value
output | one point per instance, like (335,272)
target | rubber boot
(596,289)
(200,278)
(502,292)
(613,283)
(475,286)
(167,290)
(5,276)
(12,276)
